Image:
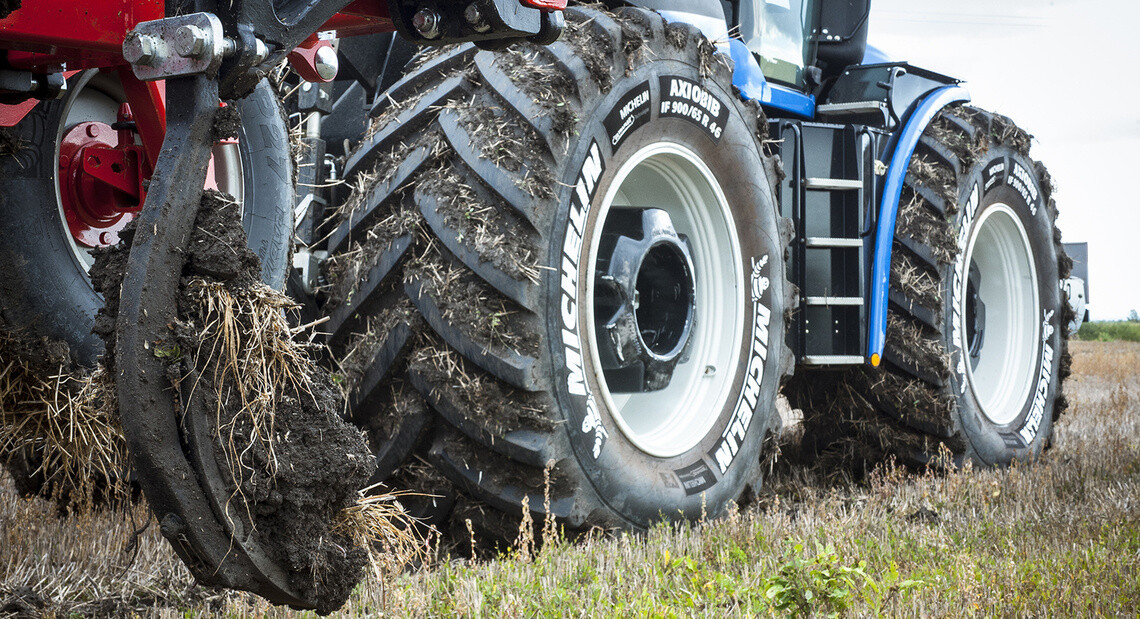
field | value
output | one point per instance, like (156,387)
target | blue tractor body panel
(911,101)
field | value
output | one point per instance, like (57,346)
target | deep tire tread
(901,411)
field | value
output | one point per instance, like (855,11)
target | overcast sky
(1068,71)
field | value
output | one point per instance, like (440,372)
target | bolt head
(326,63)
(426,22)
(140,49)
(190,41)
(475,19)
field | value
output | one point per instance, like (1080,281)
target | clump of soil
(293,462)
(286,465)
(227,122)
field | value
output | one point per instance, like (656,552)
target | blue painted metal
(905,141)
(753,86)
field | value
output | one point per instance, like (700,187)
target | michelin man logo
(759,282)
(1047,327)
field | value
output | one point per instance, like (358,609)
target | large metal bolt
(426,22)
(191,41)
(140,49)
(475,19)
(260,50)
(326,63)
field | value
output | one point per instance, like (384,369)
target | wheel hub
(101,172)
(975,315)
(644,299)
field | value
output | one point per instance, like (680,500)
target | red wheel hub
(101,180)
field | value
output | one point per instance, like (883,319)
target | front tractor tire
(976,349)
(570,295)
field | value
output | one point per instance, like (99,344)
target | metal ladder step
(833,360)
(816,242)
(849,301)
(853,108)
(832,184)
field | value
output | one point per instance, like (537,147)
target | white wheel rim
(672,421)
(1001,377)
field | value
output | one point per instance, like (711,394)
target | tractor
(567,261)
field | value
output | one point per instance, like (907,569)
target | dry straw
(63,428)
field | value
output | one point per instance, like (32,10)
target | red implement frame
(103,178)
(45,36)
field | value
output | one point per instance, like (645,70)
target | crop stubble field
(1060,537)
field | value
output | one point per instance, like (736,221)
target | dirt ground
(1060,537)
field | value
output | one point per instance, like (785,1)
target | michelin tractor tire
(976,349)
(570,294)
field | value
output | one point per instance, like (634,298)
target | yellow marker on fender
(875,360)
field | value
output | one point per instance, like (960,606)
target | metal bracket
(177,46)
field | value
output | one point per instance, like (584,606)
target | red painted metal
(361,17)
(47,33)
(148,104)
(44,35)
(304,59)
(10,115)
(101,174)
(546,5)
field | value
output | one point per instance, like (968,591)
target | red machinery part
(101,180)
(546,5)
(44,35)
(303,59)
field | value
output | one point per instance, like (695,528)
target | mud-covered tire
(976,349)
(461,274)
(45,291)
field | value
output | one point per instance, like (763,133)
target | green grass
(1056,538)
(1110,331)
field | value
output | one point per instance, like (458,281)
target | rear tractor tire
(976,349)
(570,294)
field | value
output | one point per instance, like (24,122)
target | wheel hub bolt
(426,22)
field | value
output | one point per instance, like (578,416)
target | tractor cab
(799,43)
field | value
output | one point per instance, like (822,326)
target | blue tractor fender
(901,146)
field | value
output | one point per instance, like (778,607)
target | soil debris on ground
(60,435)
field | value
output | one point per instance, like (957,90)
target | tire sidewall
(267,165)
(1004,176)
(638,486)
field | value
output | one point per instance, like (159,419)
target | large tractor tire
(976,349)
(45,291)
(570,294)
